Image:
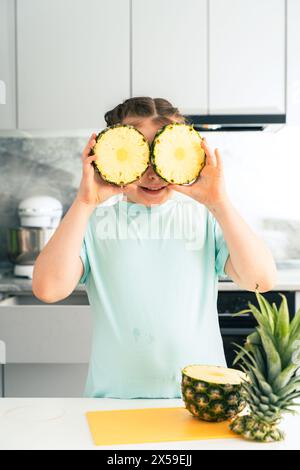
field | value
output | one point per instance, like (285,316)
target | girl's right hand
(93,189)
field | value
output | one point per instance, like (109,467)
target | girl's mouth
(155,191)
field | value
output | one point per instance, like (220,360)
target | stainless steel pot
(26,243)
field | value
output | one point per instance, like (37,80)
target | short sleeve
(86,264)
(221,249)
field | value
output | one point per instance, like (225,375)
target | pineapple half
(212,393)
(271,360)
(176,153)
(123,154)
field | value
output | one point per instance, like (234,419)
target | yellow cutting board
(136,426)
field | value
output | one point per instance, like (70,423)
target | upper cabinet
(247,56)
(7,65)
(293,62)
(73,61)
(169,52)
(76,59)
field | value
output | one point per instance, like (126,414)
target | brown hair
(160,110)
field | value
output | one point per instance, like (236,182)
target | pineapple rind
(253,429)
(211,401)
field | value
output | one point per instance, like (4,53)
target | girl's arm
(250,263)
(58,267)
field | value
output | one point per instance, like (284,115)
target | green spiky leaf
(282,329)
(284,377)
(266,310)
(295,322)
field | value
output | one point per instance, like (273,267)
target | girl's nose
(151,175)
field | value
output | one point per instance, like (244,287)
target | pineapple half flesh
(123,154)
(176,153)
(271,360)
(212,393)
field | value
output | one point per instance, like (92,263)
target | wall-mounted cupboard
(74,60)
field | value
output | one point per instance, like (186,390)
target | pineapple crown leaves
(252,370)
(284,377)
(282,330)
(274,326)
(295,325)
(292,386)
(272,355)
(257,355)
(270,358)
(266,311)
(260,395)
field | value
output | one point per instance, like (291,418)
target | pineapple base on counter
(271,360)
(212,393)
(123,154)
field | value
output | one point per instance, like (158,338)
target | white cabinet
(293,62)
(7,65)
(169,52)
(73,61)
(247,56)
(76,59)
(45,380)
(35,332)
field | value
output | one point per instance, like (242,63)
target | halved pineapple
(176,153)
(212,393)
(123,154)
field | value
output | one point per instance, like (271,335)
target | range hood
(236,122)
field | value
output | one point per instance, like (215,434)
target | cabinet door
(40,333)
(169,52)
(73,61)
(293,62)
(7,65)
(246,56)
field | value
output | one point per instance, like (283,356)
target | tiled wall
(262,173)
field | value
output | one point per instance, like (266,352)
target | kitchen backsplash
(262,172)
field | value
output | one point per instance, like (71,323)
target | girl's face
(150,188)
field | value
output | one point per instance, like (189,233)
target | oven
(236,329)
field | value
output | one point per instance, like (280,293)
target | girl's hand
(209,188)
(93,189)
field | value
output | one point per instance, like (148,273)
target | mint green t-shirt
(151,276)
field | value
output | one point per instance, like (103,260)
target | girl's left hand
(209,188)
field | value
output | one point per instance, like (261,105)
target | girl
(150,254)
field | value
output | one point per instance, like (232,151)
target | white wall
(262,172)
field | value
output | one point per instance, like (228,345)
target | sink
(23,299)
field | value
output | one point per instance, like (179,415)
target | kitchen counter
(288,279)
(60,423)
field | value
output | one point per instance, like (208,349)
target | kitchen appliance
(40,211)
(235,329)
(39,218)
(237,122)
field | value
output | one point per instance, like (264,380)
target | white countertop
(287,279)
(60,423)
